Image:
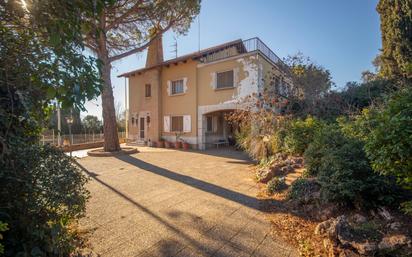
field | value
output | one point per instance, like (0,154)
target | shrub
(326,137)
(276,184)
(42,192)
(277,141)
(389,143)
(344,172)
(3,227)
(300,134)
(302,188)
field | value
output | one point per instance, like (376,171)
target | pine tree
(396,29)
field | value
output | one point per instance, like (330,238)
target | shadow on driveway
(228,194)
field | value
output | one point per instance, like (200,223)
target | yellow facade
(150,117)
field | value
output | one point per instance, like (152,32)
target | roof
(193,55)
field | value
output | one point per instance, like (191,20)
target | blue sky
(342,36)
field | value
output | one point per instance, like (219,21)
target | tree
(92,123)
(126,27)
(41,60)
(120,117)
(311,80)
(396,29)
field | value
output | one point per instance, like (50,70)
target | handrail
(241,47)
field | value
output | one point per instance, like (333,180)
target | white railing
(75,138)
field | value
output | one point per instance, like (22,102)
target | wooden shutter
(187,123)
(235,77)
(169,87)
(214,80)
(166,123)
(184,85)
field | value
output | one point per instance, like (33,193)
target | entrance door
(142,125)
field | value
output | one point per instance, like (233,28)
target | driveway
(163,202)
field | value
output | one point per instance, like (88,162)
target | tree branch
(119,19)
(140,48)
(94,49)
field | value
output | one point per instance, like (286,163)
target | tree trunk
(111,139)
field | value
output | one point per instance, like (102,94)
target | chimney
(155,52)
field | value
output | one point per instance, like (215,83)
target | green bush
(300,134)
(276,184)
(3,228)
(277,141)
(344,172)
(302,188)
(325,138)
(389,143)
(42,192)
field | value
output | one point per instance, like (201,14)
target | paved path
(163,202)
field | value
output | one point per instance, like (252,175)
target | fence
(52,138)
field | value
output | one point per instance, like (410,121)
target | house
(189,96)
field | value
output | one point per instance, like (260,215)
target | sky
(342,36)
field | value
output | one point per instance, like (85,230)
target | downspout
(160,105)
(197,106)
(126,114)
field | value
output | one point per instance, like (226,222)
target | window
(148,90)
(177,87)
(177,123)
(224,79)
(209,124)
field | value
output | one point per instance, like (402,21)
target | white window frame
(182,85)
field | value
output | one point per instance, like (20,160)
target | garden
(338,162)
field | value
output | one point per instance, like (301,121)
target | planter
(161,144)
(101,153)
(186,146)
(178,145)
(168,144)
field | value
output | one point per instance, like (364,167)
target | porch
(215,130)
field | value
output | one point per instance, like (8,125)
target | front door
(141,128)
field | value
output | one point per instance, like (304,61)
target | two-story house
(191,94)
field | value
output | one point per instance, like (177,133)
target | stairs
(135,142)
(292,176)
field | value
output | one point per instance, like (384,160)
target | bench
(221,142)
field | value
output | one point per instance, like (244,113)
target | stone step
(135,143)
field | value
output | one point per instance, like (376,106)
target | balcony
(241,47)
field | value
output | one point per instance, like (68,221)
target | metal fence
(52,138)
(241,47)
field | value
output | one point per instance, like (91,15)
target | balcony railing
(242,47)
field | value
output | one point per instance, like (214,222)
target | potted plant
(168,144)
(161,143)
(178,143)
(186,145)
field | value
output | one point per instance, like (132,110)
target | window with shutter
(177,123)
(148,90)
(177,87)
(224,79)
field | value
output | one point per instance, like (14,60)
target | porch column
(201,128)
